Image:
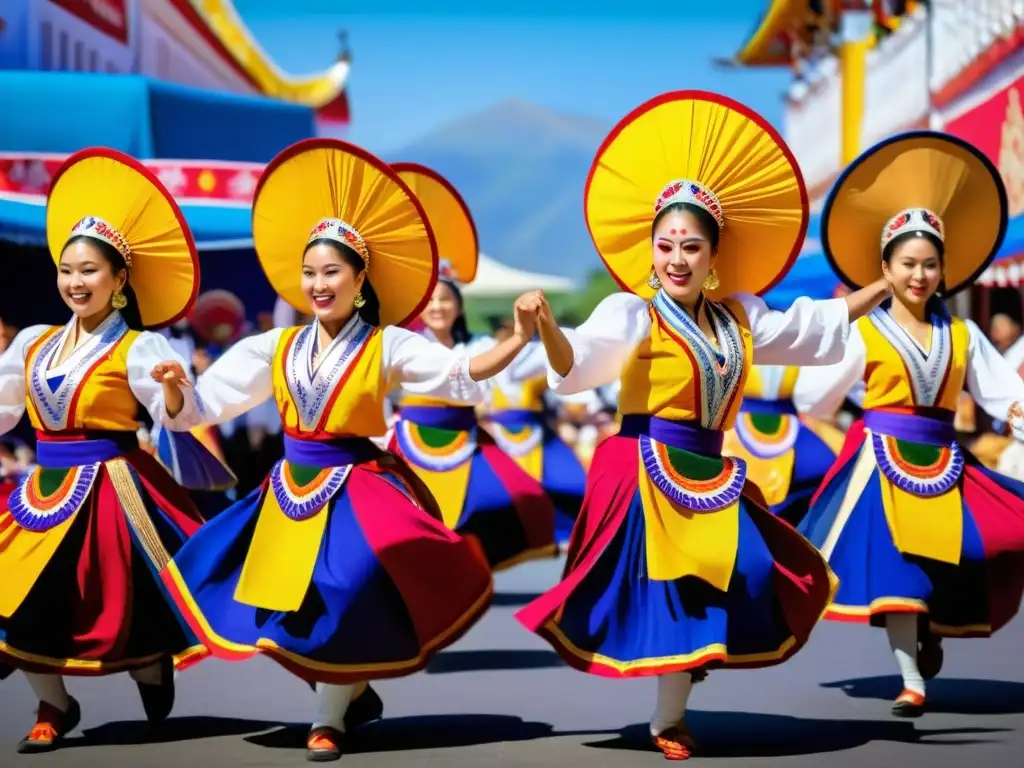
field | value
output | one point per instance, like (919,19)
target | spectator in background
(1004,332)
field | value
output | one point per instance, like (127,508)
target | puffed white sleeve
(147,351)
(808,333)
(428,368)
(993,384)
(238,380)
(530,363)
(821,389)
(603,343)
(12,377)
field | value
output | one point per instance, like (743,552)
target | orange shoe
(676,743)
(323,745)
(51,727)
(908,704)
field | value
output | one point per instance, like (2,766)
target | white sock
(673,693)
(332,703)
(50,688)
(902,631)
(149,675)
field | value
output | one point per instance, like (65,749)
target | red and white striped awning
(1006,273)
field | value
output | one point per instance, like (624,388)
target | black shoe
(366,708)
(51,727)
(158,700)
(930,656)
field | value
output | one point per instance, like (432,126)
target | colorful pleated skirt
(675,565)
(481,490)
(911,523)
(527,437)
(338,568)
(82,542)
(787,457)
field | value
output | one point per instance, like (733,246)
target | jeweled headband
(693,192)
(98,229)
(912,220)
(341,232)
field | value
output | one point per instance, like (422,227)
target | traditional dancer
(925,541)
(786,455)
(339,568)
(481,490)
(675,565)
(85,534)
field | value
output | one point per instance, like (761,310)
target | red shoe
(323,745)
(676,743)
(51,727)
(908,704)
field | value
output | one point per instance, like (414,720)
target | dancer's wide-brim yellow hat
(717,142)
(109,185)
(919,169)
(325,178)
(458,247)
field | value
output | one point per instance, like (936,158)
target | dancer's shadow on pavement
(748,734)
(492,660)
(172,730)
(513,599)
(400,734)
(957,696)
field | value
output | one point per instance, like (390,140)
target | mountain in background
(521,169)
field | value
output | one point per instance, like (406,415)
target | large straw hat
(702,148)
(329,188)
(109,196)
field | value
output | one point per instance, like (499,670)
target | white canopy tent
(496,279)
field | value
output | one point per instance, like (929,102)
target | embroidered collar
(926,369)
(311,386)
(53,386)
(720,370)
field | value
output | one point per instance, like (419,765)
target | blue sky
(419,65)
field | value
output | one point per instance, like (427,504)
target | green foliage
(571,309)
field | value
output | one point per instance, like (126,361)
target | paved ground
(501,698)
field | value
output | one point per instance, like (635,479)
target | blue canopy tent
(147,119)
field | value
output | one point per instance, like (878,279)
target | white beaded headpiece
(693,192)
(913,220)
(341,232)
(445,271)
(98,229)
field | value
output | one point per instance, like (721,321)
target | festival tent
(494,279)
(208,148)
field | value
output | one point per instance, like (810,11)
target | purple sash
(95,447)
(334,453)
(517,417)
(685,435)
(934,429)
(456,417)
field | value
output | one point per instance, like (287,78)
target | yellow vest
(671,376)
(96,398)
(898,375)
(352,406)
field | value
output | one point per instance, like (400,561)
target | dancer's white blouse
(64,380)
(808,333)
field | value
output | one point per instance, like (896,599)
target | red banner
(192,182)
(996,127)
(108,16)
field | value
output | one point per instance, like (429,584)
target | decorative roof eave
(316,90)
(783,24)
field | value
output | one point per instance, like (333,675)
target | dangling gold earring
(711,281)
(118,300)
(359,302)
(653,280)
